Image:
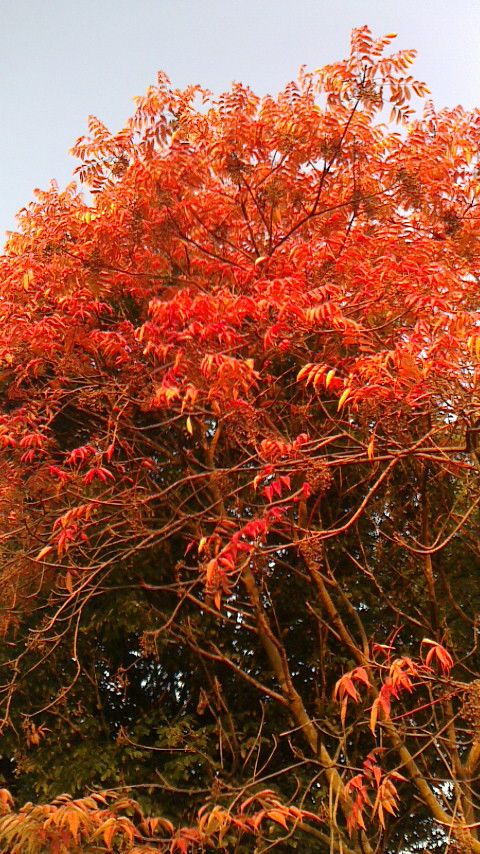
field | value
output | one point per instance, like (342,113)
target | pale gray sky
(63,59)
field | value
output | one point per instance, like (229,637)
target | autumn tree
(239,477)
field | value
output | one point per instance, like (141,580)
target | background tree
(239,486)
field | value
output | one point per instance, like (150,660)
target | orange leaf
(44,552)
(374,715)
(279,817)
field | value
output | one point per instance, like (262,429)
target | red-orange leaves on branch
(438,655)
(239,455)
(345,688)
(373,794)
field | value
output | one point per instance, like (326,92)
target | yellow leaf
(329,377)
(261,259)
(189,426)
(171,394)
(44,552)
(343,397)
(304,371)
(27,279)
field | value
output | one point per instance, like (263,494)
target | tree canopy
(240,518)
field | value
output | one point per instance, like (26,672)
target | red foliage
(261,293)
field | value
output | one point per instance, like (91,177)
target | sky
(61,60)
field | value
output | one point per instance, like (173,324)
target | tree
(240,512)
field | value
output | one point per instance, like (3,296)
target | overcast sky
(61,60)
